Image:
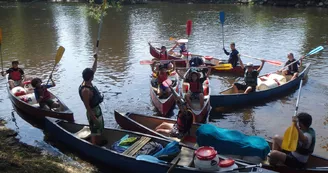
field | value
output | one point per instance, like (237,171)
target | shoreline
(277,3)
(16,156)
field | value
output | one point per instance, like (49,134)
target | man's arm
(226,52)
(174,47)
(301,135)
(94,66)
(260,68)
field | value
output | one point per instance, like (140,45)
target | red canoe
(166,104)
(209,61)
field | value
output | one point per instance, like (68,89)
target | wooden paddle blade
(59,54)
(290,139)
(189,24)
(171,39)
(277,63)
(0,35)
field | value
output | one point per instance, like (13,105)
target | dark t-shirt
(294,67)
(233,57)
(10,70)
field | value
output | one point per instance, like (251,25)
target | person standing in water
(92,98)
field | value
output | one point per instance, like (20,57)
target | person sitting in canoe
(92,98)
(16,75)
(42,94)
(183,124)
(250,78)
(196,85)
(163,55)
(161,75)
(292,69)
(233,55)
(305,146)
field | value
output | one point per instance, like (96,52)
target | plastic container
(206,159)
(227,165)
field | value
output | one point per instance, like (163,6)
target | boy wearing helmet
(305,146)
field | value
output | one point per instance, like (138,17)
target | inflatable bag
(18,91)
(29,98)
(231,142)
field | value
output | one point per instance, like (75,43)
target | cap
(249,64)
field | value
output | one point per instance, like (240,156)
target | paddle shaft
(100,25)
(173,166)
(1,58)
(222,18)
(51,73)
(298,97)
(278,63)
(0,49)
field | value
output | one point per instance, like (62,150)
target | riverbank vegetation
(19,157)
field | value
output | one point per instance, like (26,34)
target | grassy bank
(18,157)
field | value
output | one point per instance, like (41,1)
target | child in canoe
(182,126)
(195,82)
(16,75)
(42,94)
(161,75)
(292,69)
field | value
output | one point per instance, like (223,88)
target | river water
(33,32)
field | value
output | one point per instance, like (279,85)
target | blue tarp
(231,142)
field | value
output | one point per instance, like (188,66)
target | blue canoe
(229,99)
(74,136)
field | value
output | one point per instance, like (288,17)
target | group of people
(92,98)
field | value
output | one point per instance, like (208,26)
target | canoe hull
(146,124)
(109,157)
(230,100)
(238,71)
(36,112)
(164,106)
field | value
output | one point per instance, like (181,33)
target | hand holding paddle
(58,57)
(290,139)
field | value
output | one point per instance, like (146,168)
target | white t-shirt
(300,157)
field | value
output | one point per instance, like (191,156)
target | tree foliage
(95,8)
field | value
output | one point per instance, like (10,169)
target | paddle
(149,62)
(222,18)
(149,158)
(217,67)
(290,139)
(188,32)
(100,24)
(58,57)
(314,51)
(173,166)
(277,63)
(0,49)
(170,148)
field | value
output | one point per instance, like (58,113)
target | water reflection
(33,33)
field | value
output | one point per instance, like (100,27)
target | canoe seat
(186,157)
(84,133)
(133,149)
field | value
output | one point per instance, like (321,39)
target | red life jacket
(195,87)
(16,75)
(161,77)
(163,56)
